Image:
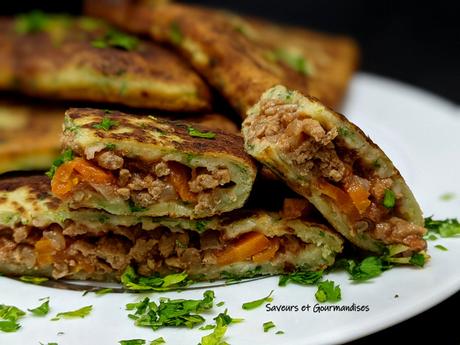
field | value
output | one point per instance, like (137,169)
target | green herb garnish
(79,313)
(301,277)
(175,34)
(134,208)
(417,259)
(389,199)
(33,280)
(105,291)
(105,124)
(110,147)
(447,196)
(9,315)
(222,322)
(445,228)
(294,60)
(132,342)
(196,133)
(279,332)
(116,39)
(32,22)
(368,268)
(66,156)
(175,313)
(328,292)
(42,310)
(220,304)
(258,302)
(268,326)
(132,281)
(441,247)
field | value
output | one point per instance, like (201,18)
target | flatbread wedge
(332,163)
(84,59)
(129,164)
(29,136)
(40,236)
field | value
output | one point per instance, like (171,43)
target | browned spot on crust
(142,127)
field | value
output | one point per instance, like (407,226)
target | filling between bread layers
(370,202)
(140,183)
(109,250)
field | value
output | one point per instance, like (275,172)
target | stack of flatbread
(153,147)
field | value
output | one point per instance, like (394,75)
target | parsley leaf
(268,326)
(441,247)
(258,302)
(389,199)
(175,313)
(369,268)
(158,341)
(175,34)
(116,39)
(417,259)
(196,133)
(328,292)
(105,124)
(42,310)
(279,332)
(222,322)
(34,21)
(79,313)
(445,228)
(301,277)
(132,281)
(66,156)
(101,292)
(132,342)
(33,280)
(9,315)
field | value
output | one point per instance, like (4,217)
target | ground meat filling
(109,250)
(314,151)
(148,183)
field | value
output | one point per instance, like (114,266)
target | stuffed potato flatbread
(39,235)
(329,161)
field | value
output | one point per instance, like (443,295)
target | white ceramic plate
(421,133)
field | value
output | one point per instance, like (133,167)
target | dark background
(407,40)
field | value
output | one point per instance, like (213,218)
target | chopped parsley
(344,132)
(220,304)
(106,124)
(105,291)
(175,33)
(132,342)
(134,208)
(445,228)
(441,247)
(9,315)
(279,332)
(200,225)
(173,313)
(222,322)
(116,39)
(34,21)
(328,292)
(196,133)
(132,281)
(42,310)
(389,199)
(33,280)
(158,341)
(79,313)
(447,196)
(207,327)
(257,303)
(418,259)
(110,147)
(66,156)
(369,268)
(301,277)
(268,326)
(294,60)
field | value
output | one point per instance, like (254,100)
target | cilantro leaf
(116,39)
(441,247)
(445,228)
(175,313)
(301,277)
(34,21)
(389,198)
(368,268)
(132,281)
(105,124)
(258,302)
(175,33)
(328,292)
(417,259)
(196,133)
(268,325)
(79,313)
(42,310)
(66,156)
(9,315)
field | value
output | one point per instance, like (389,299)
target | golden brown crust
(61,61)
(143,129)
